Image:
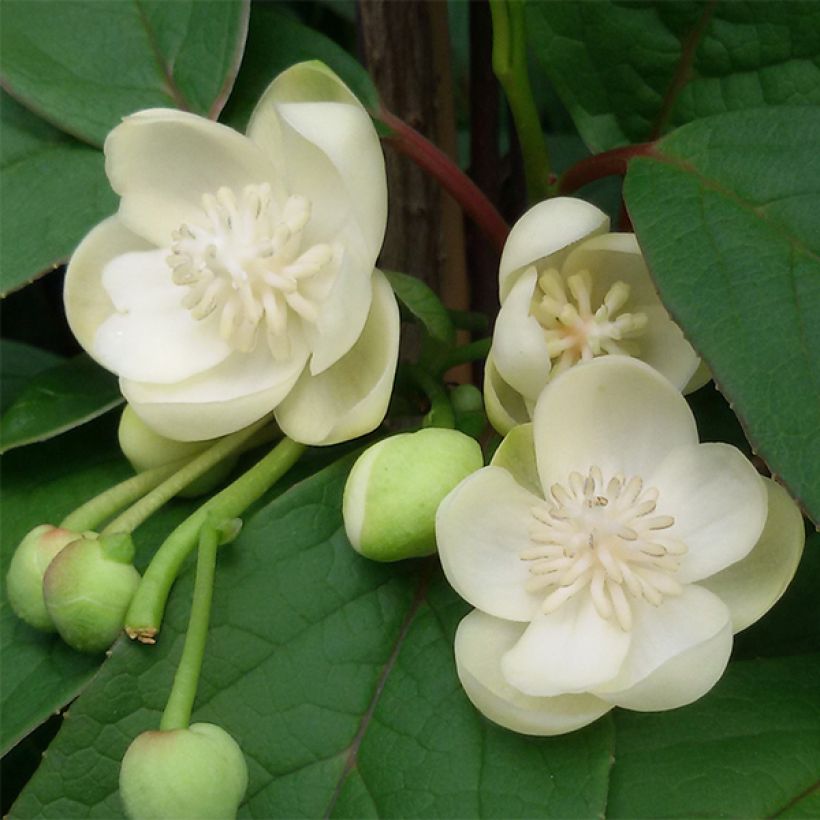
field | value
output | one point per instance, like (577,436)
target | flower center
(575,331)
(244,258)
(604,537)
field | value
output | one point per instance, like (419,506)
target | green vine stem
(609,163)
(129,520)
(441,412)
(177,714)
(144,616)
(510,66)
(465,354)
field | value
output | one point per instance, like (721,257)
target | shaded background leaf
(21,362)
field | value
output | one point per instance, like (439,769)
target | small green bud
(24,581)
(197,773)
(395,487)
(88,587)
(468,407)
(146,449)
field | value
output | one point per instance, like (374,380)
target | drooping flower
(610,556)
(238,275)
(570,292)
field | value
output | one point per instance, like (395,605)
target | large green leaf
(629,72)
(20,363)
(58,399)
(84,64)
(727,211)
(54,191)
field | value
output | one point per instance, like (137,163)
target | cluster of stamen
(573,329)
(604,537)
(244,259)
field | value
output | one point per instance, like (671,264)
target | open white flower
(238,274)
(570,291)
(609,555)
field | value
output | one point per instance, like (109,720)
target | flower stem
(464,355)
(145,613)
(150,503)
(177,714)
(435,162)
(510,66)
(610,163)
(91,514)
(441,412)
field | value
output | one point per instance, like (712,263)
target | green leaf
(727,211)
(55,400)
(277,41)
(54,191)
(423,303)
(84,64)
(20,362)
(629,72)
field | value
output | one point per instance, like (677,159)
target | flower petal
(350,398)
(161,161)
(516,455)
(519,345)
(546,229)
(664,347)
(505,408)
(481,640)
(482,526)
(312,123)
(571,650)
(662,633)
(751,586)
(230,396)
(719,504)
(614,412)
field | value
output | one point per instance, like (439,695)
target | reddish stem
(435,162)
(610,163)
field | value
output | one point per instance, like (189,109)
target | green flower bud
(197,773)
(146,449)
(468,406)
(88,587)
(24,581)
(395,487)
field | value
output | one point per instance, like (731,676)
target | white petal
(505,408)
(150,336)
(571,650)
(549,228)
(242,389)
(351,397)
(719,504)
(519,345)
(751,586)
(162,161)
(482,526)
(481,640)
(661,633)
(702,376)
(614,412)
(664,347)
(516,455)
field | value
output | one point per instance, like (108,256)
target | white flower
(570,291)
(238,275)
(609,555)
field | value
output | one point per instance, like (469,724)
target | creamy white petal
(571,650)
(752,586)
(516,455)
(519,345)
(719,504)
(505,408)
(240,390)
(350,398)
(548,229)
(664,347)
(661,633)
(481,641)
(614,412)
(702,376)
(162,161)
(482,526)
(323,112)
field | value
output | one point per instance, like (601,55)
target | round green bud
(146,449)
(197,773)
(468,407)
(88,587)
(395,487)
(24,581)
